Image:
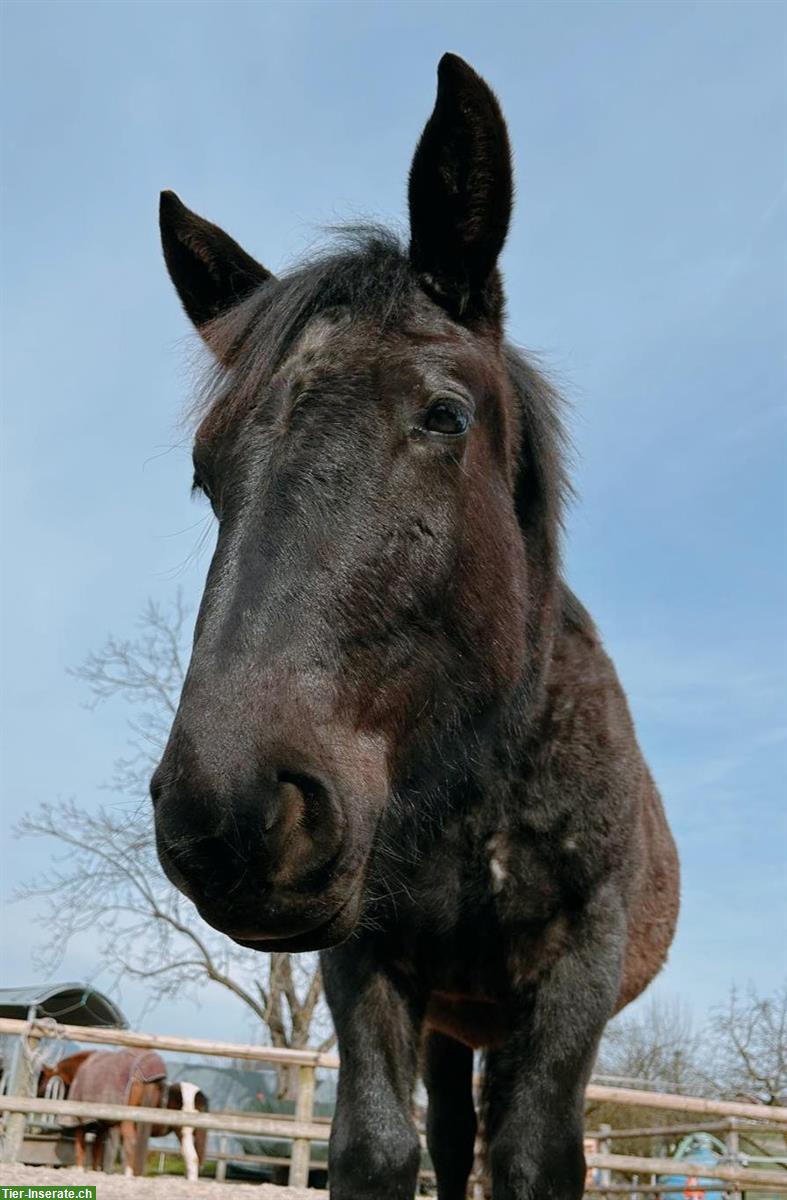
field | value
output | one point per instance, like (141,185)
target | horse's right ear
(210,271)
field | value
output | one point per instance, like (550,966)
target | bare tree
(741,1052)
(657,1047)
(106,878)
(750,1045)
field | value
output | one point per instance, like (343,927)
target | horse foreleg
(128,1137)
(189,1152)
(534,1085)
(451,1121)
(374,1147)
(80,1141)
(141,1149)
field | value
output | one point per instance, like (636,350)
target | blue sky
(646,268)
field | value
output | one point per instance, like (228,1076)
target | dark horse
(400,740)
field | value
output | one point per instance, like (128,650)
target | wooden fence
(302,1129)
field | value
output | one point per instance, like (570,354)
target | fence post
(732,1142)
(605,1147)
(24,1079)
(221,1163)
(304,1111)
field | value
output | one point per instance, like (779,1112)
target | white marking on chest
(189,1093)
(498,861)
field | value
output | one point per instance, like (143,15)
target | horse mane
(367,274)
(543,485)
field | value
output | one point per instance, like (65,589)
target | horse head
(386,478)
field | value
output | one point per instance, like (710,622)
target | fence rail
(678,1103)
(96,1035)
(302,1129)
(634,1165)
(251,1125)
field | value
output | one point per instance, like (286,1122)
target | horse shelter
(39,1141)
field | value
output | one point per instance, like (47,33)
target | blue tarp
(698,1148)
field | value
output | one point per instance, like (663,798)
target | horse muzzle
(274,863)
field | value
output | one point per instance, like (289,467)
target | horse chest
(476,925)
(490,882)
(472,959)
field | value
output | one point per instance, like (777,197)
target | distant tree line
(738,1053)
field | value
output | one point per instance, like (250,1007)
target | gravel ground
(151,1187)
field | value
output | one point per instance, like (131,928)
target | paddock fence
(19,1103)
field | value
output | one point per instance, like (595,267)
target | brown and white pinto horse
(186,1097)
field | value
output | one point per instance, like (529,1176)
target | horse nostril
(271,827)
(313,796)
(309,788)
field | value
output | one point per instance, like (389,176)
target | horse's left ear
(460,194)
(210,271)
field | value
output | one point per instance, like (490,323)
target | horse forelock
(368,278)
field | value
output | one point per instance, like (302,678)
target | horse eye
(198,484)
(447,417)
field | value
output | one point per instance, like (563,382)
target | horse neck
(521,713)
(504,749)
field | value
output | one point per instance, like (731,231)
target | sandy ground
(151,1187)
